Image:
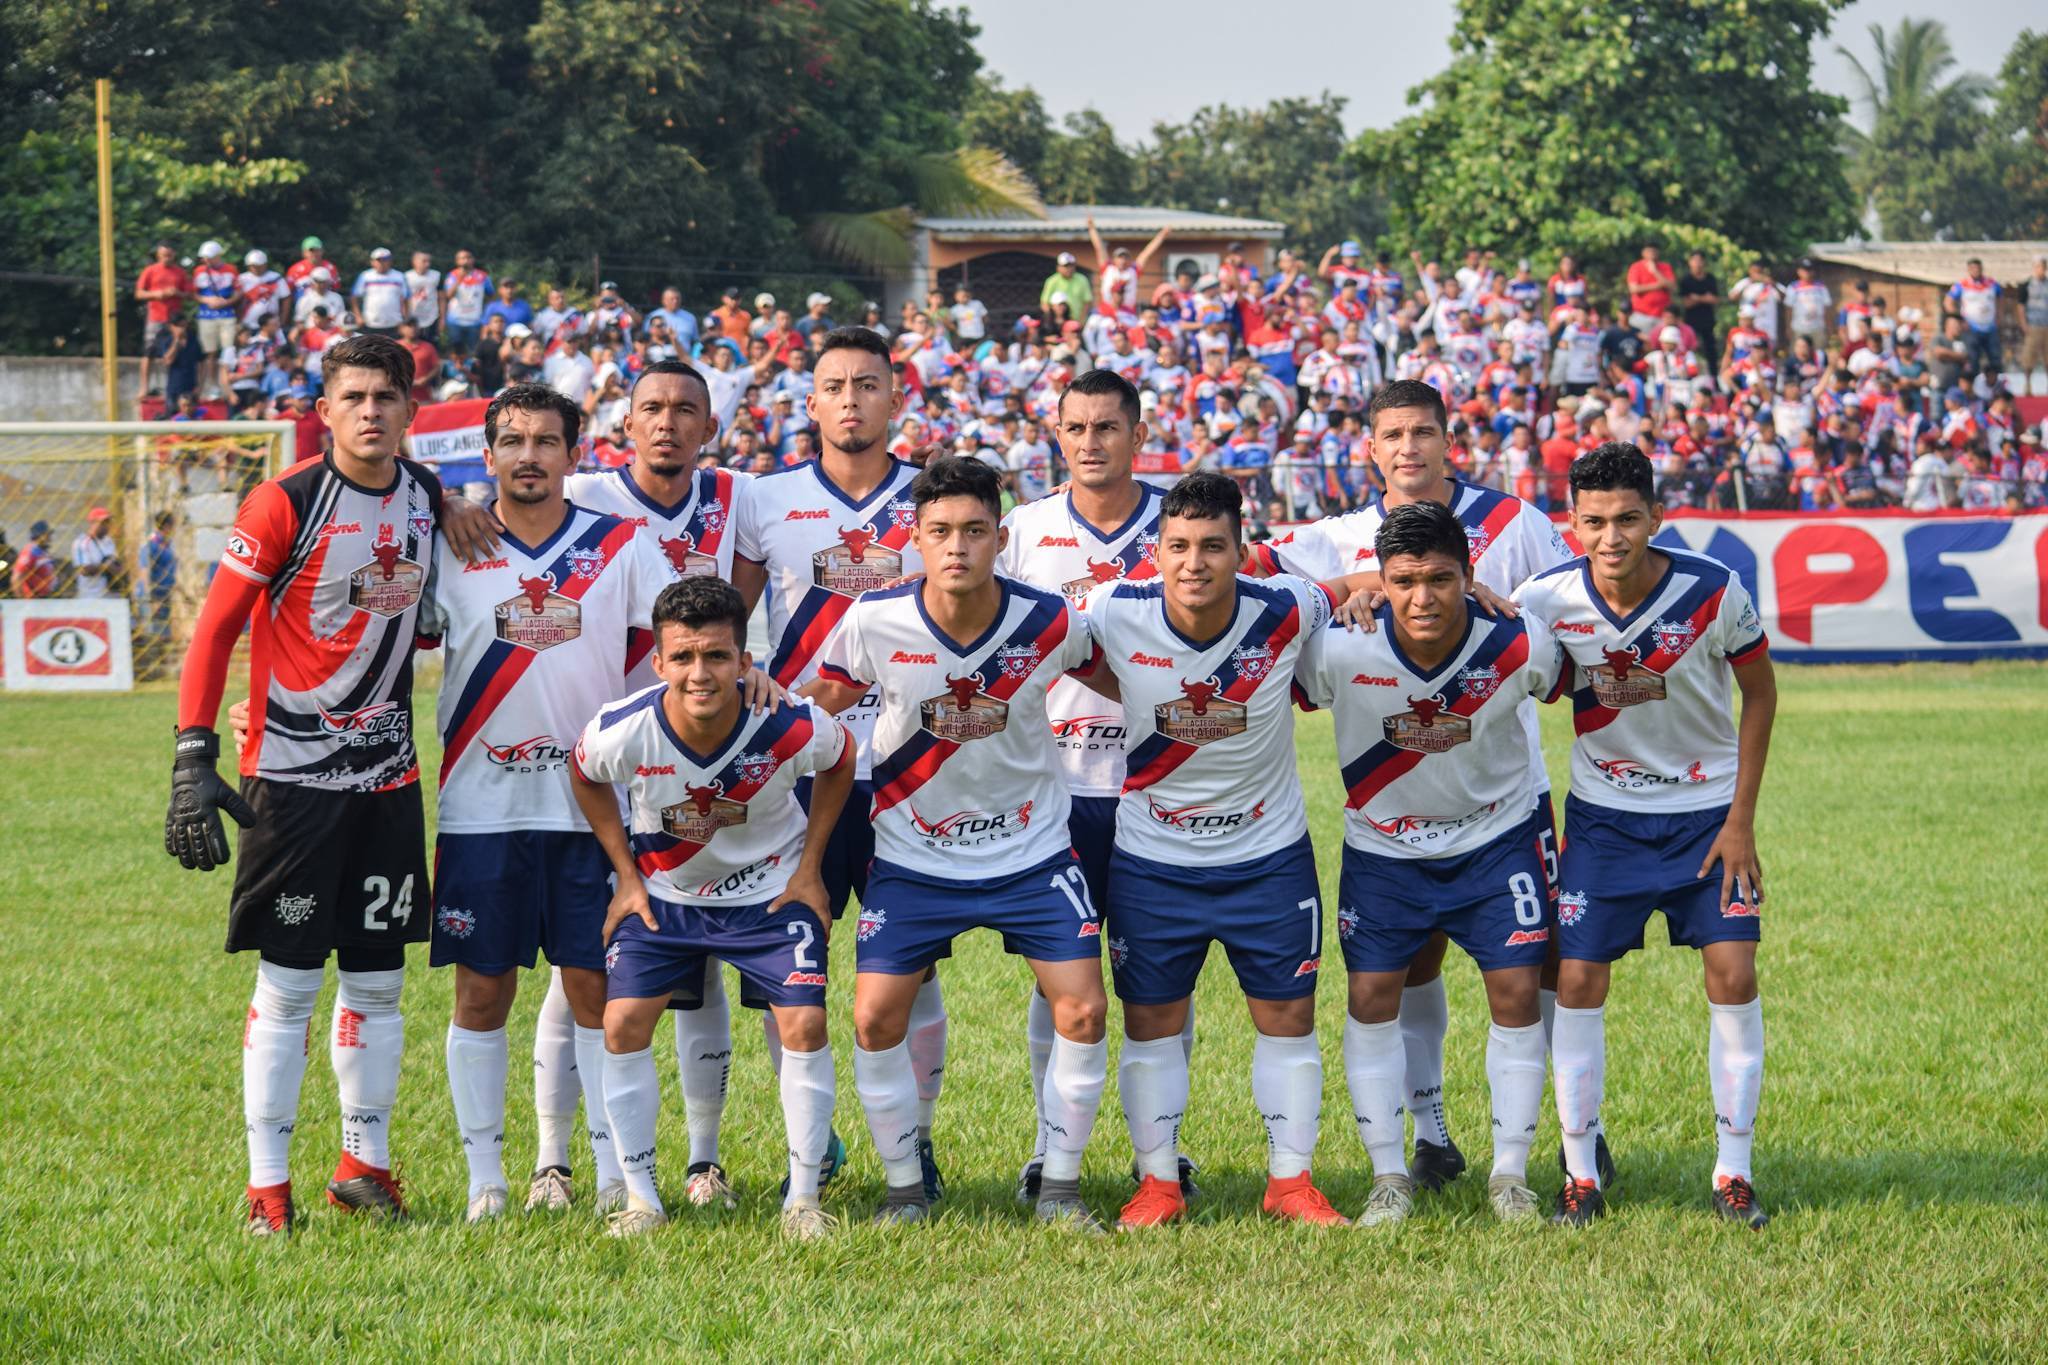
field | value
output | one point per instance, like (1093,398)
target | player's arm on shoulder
(471,529)
(831,786)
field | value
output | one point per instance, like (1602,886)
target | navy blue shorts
(781,956)
(1618,866)
(909,921)
(1267,913)
(1492,901)
(502,899)
(1092,827)
(1543,825)
(851,847)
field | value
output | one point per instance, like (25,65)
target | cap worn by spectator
(97,514)
(1669,334)
(312,244)
(1350,249)
(816,299)
(209,251)
(382,253)
(518,330)
(256,256)
(39,530)
(1065,258)
(608,287)
(764,300)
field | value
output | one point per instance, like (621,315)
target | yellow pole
(110,367)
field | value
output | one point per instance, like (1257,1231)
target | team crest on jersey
(539,617)
(1623,681)
(1199,715)
(1479,681)
(585,561)
(1748,621)
(964,712)
(1477,538)
(1347,921)
(858,563)
(1253,661)
(611,955)
(420,521)
(455,922)
(754,769)
(390,583)
(702,813)
(711,515)
(684,557)
(293,911)
(1017,661)
(903,510)
(1426,727)
(1119,952)
(872,918)
(1675,637)
(1571,907)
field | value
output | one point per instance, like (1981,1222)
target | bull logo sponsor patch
(1623,681)
(702,812)
(964,712)
(539,617)
(1426,727)
(1099,571)
(858,563)
(390,583)
(684,558)
(1199,715)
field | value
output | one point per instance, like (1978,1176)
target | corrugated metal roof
(1933,262)
(1112,220)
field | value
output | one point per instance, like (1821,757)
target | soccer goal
(55,475)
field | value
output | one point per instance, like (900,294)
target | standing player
(1440,835)
(1212,838)
(820,534)
(1664,790)
(970,821)
(1103,529)
(720,863)
(332,558)
(536,643)
(1510,541)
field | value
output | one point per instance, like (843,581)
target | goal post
(56,474)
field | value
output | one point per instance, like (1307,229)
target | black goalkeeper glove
(193,833)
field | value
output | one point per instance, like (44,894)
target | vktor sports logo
(538,754)
(1630,775)
(1202,819)
(373,724)
(968,828)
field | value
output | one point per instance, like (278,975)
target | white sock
(632,1095)
(772,1033)
(275,1039)
(1038,1036)
(1546,1005)
(555,1087)
(1514,1077)
(477,1065)
(808,1091)
(366,1048)
(1735,1067)
(1187,1035)
(704,1061)
(1287,1085)
(1152,1078)
(928,1050)
(887,1086)
(1072,1094)
(1425,1018)
(1374,1070)
(604,1154)
(1578,1058)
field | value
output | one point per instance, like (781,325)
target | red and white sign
(66,645)
(449,431)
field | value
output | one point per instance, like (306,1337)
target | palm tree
(1919,116)
(971,180)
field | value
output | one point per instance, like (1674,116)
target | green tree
(1558,122)
(1012,122)
(1087,165)
(1286,162)
(1913,168)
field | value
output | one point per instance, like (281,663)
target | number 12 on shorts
(1070,882)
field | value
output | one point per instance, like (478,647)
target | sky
(1055,46)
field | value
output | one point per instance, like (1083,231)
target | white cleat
(489,1203)
(1389,1203)
(1512,1199)
(707,1187)
(611,1198)
(805,1220)
(634,1220)
(550,1191)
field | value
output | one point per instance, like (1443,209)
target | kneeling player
(1439,834)
(970,818)
(1663,790)
(722,863)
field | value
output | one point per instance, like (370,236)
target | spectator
(35,569)
(423,295)
(426,361)
(465,293)
(319,296)
(1974,298)
(163,287)
(379,295)
(1065,286)
(216,287)
(730,320)
(312,257)
(680,321)
(1699,297)
(7,557)
(1807,305)
(2033,292)
(157,579)
(1930,483)
(95,559)
(1760,294)
(1949,358)
(569,371)
(310,438)
(177,352)
(1650,283)
(525,358)
(508,307)
(817,316)
(263,289)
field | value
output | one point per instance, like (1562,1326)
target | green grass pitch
(1901,1144)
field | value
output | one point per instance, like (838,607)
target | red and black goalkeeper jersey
(342,568)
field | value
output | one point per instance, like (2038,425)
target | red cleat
(270,1210)
(1296,1200)
(362,1188)
(1156,1202)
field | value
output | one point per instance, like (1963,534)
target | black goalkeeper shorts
(324,869)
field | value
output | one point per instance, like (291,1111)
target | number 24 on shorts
(394,909)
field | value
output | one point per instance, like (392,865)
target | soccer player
(331,557)
(1212,838)
(722,862)
(970,822)
(820,534)
(1441,834)
(536,642)
(1662,808)
(1510,541)
(1103,529)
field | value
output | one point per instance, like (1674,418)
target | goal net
(55,475)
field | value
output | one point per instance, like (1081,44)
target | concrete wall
(62,389)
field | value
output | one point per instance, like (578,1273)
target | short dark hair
(701,600)
(533,398)
(681,367)
(1099,383)
(1205,496)
(1406,393)
(1421,528)
(1611,467)
(857,339)
(368,351)
(958,476)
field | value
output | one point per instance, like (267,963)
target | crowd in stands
(1805,402)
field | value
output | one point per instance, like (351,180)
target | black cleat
(362,1188)
(1603,1161)
(928,1165)
(1736,1201)
(1434,1167)
(1029,1181)
(1578,1204)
